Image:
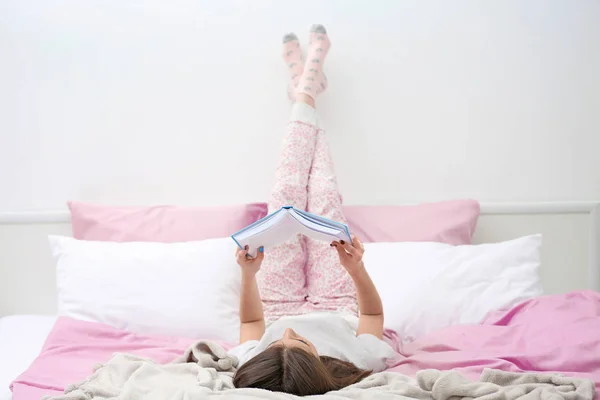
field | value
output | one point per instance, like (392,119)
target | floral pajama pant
(304,275)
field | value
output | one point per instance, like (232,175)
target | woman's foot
(313,80)
(306,78)
(292,56)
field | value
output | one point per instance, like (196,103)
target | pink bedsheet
(558,333)
(74,347)
(553,333)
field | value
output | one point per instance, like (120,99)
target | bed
(523,338)
(569,265)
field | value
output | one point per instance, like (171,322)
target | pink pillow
(451,222)
(160,223)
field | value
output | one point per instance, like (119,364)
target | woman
(314,342)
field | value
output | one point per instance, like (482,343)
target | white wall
(154,101)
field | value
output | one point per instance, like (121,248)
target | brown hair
(295,371)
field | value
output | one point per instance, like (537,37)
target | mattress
(21,339)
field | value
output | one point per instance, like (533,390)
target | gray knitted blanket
(206,371)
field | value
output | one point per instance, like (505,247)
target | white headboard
(570,258)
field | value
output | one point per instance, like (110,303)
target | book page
(313,225)
(320,228)
(321,220)
(271,234)
(261,225)
(326,237)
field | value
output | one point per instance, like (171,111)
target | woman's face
(292,339)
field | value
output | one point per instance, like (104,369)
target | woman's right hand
(250,265)
(350,255)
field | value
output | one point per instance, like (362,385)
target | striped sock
(313,80)
(292,56)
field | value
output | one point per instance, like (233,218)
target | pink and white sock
(292,56)
(313,80)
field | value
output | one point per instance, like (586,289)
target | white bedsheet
(21,339)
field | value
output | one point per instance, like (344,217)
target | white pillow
(427,286)
(189,289)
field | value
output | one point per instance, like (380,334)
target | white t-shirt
(333,335)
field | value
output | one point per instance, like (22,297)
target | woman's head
(292,365)
(291,339)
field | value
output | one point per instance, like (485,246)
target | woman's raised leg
(282,278)
(329,287)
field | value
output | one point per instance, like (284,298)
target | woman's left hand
(350,254)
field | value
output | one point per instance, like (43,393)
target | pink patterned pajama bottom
(304,275)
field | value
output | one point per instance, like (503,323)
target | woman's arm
(370,319)
(252,320)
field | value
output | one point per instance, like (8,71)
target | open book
(279,226)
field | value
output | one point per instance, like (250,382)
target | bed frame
(570,252)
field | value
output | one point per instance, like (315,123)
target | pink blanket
(553,333)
